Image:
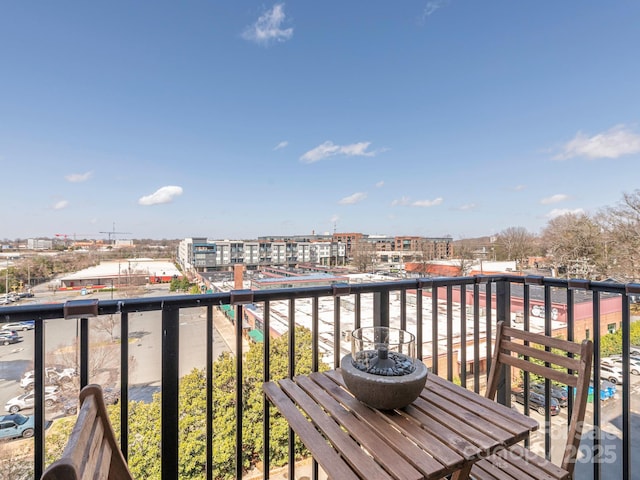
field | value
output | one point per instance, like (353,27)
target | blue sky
(232,119)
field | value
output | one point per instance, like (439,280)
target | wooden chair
(518,462)
(92,451)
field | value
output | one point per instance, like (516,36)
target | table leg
(462,474)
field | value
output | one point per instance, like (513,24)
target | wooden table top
(443,431)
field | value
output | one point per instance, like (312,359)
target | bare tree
(464,255)
(425,253)
(518,244)
(363,256)
(16,461)
(621,228)
(574,244)
(107,324)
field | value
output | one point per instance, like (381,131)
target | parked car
(536,401)
(611,373)
(24,325)
(617,361)
(10,298)
(559,393)
(26,400)
(16,425)
(9,336)
(53,376)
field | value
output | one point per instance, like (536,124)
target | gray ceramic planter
(383,392)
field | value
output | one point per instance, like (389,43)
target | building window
(587,332)
(611,328)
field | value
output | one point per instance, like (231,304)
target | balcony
(169,336)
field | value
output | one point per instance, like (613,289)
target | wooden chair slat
(544,340)
(570,363)
(546,372)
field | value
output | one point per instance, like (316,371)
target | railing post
(339,290)
(124,384)
(81,310)
(39,416)
(503,313)
(170,390)
(381,309)
(239,298)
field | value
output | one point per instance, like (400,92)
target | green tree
(144,418)
(611,344)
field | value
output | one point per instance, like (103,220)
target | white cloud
(427,203)
(380,184)
(281,145)
(78,177)
(334,218)
(558,212)
(60,205)
(468,206)
(615,142)
(559,197)
(329,149)
(432,6)
(267,28)
(351,199)
(401,201)
(519,188)
(162,195)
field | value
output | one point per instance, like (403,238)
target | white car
(617,361)
(53,376)
(26,400)
(611,372)
(24,326)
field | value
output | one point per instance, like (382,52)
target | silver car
(26,400)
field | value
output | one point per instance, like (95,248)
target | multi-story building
(349,240)
(205,255)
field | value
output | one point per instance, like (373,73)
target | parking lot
(145,344)
(609,436)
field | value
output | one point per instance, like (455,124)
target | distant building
(39,244)
(203,255)
(125,272)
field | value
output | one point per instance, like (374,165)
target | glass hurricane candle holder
(382,370)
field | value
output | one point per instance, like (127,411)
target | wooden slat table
(443,432)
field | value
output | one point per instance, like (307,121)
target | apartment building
(204,255)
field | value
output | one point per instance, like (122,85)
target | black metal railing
(454,333)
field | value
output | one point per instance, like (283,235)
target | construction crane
(114,233)
(66,236)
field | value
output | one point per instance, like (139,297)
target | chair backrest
(517,348)
(92,450)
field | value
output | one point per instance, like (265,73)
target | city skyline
(427,118)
